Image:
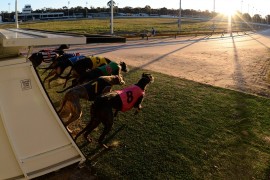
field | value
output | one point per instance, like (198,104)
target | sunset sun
(228,10)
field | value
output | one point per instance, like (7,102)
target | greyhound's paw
(69,130)
(88,139)
(105,146)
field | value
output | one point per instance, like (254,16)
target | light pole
(214,10)
(9,10)
(86,9)
(16,14)
(111,16)
(241,14)
(241,7)
(68,9)
(179,18)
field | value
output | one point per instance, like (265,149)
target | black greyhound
(79,65)
(59,66)
(123,100)
(85,64)
(47,55)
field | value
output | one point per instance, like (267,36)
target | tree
(127,9)
(147,9)
(267,19)
(109,4)
(256,18)
(246,17)
(137,9)
(163,11)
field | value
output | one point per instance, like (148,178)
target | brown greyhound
(89,91)
(123,100)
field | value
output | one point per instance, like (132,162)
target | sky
(246,6)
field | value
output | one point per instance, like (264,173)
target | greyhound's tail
(44,67)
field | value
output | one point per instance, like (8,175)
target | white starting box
(33,139)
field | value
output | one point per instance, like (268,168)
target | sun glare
(228,11)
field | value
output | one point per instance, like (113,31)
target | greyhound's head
(36,59)
(117,79)
(124,67)
(114,79)
(64,46)
(148,77)
(145,80)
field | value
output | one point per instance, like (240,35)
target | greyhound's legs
(45,71)
(47,68)
(50,80)
(107,121)
(67,79)
(88,129)
(75,110)
(64,112)
(53,72)
(56,72)
(92,125)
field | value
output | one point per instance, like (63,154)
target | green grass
(186,130)
(124,26)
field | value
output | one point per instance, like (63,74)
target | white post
(68,9)
(241,14)
(214,10)
(86,9)
(179,18)
(16,14)
(241,7)
(111,16)
(9,11)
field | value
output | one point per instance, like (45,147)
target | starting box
(33,139)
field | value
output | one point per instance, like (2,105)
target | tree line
(146,10)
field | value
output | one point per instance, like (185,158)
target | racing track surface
(239,62)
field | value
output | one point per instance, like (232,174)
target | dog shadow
(100,150)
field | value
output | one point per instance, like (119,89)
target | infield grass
(186,130)
(124,26)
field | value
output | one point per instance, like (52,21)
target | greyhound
(112,68)
(78,63)
(123,100)
(47,55)
(89,91)
(59,66)
(85,64)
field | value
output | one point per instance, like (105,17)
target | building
(99,15)
(27,15)
(27,9)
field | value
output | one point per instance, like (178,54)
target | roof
(21,37)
